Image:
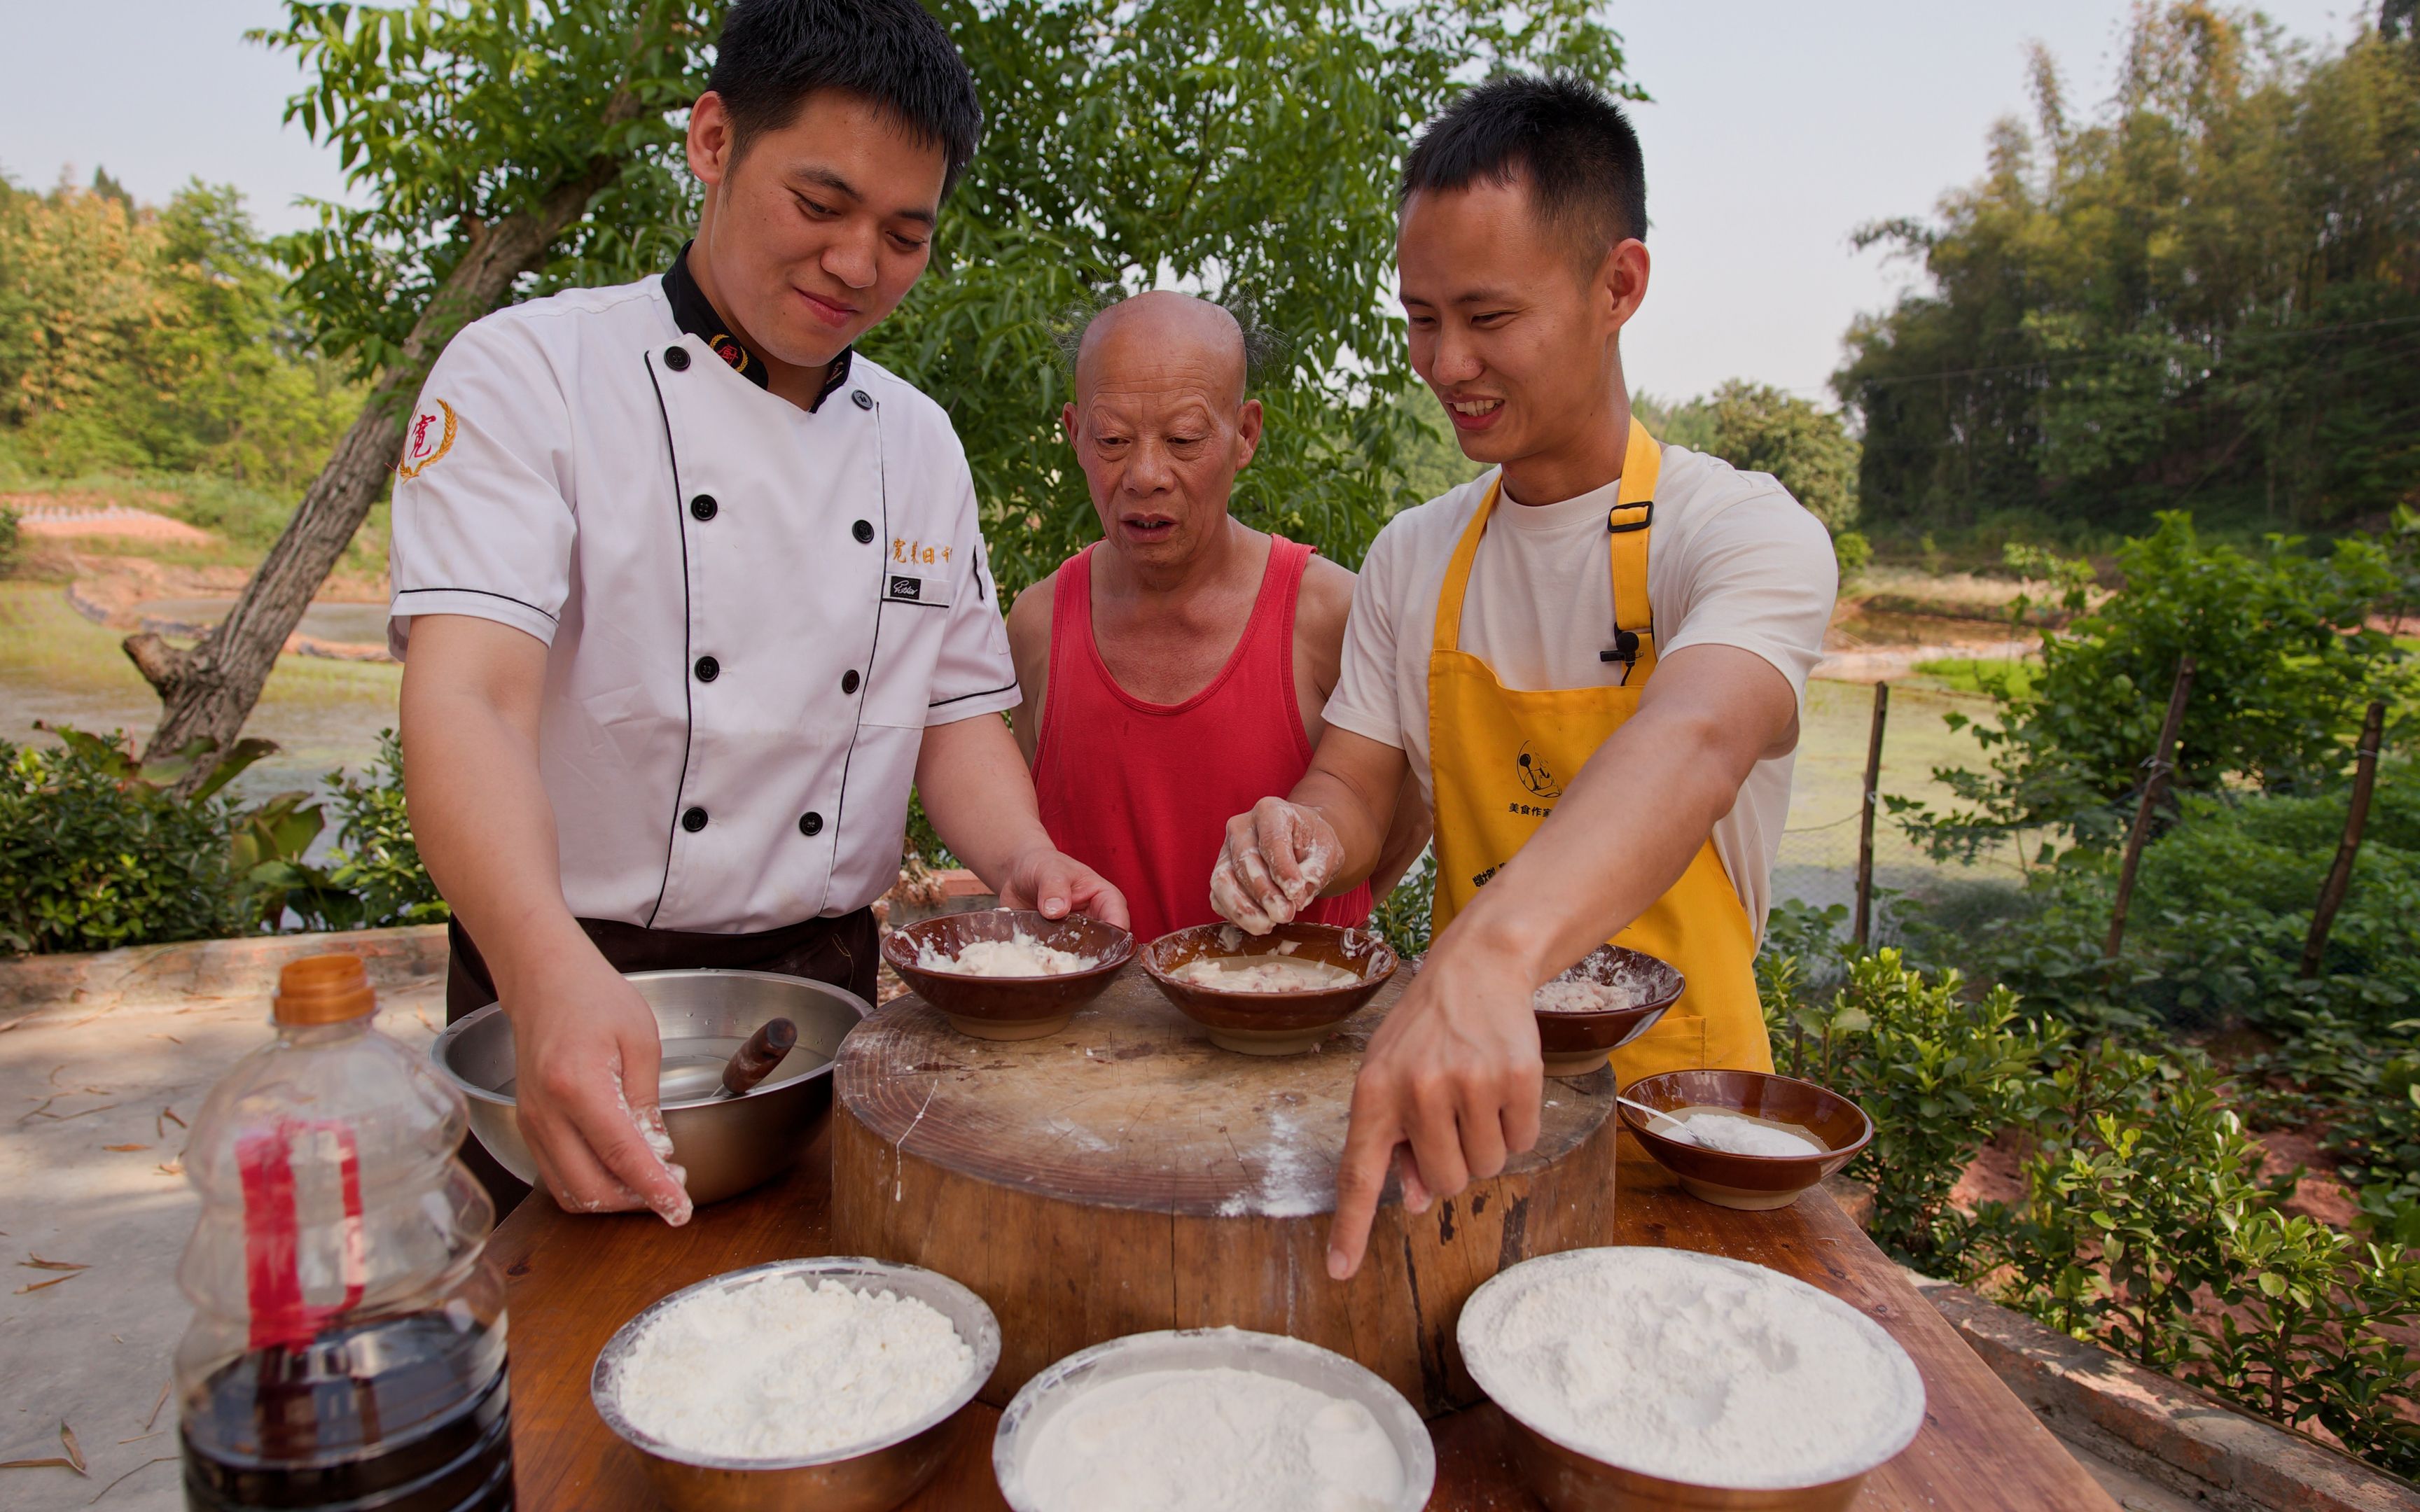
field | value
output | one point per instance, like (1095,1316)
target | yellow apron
(1500,756)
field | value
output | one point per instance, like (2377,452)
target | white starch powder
(1699,1369)
(789,1366)
(1212,1441)
(1020,955)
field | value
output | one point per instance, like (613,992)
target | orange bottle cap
(323,989)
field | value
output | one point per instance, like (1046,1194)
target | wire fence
(1817,863)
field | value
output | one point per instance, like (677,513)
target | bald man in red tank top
(1174,672)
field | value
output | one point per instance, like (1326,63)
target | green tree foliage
(1243,149)
(2287,662)
(465,130)
(154,339)
(1760,428)
(2209,290)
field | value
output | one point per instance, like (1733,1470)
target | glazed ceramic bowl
(1569,1479)
(1209,1349)
(726,1146)
(1270,1023)
(1751,1181)
(861,1477)
(1576,1043)
(1008,1008)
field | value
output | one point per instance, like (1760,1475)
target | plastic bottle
(347,1342)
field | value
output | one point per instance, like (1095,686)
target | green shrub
(1939,1074)
(2143,1205)
(377,857)
(2324,1336)
(2139,1171)
(1403,914)
(96,852)
(12,541)
(373,878)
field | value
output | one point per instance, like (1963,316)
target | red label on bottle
(273,1227)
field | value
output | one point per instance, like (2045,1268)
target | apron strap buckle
(1623,518)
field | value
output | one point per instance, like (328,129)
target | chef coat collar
(695,314)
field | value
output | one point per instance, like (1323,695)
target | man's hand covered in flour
(589,1052)
(1276,860)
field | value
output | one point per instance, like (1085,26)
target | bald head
(1160,425)
(1163,340)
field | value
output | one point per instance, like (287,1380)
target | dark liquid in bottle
(397,1415)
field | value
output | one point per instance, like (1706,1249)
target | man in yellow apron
(1593,655)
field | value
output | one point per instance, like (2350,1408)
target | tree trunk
(210,690)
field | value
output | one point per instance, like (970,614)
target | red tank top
(1143,797)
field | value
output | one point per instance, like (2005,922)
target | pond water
(357,623)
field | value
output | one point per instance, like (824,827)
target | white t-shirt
(1734,561)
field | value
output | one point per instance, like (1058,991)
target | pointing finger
(1361,1176)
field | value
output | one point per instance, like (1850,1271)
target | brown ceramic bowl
(1271,1023)
(1751,1181)
(1576,1044)
(1569,1481)
(1008,1008)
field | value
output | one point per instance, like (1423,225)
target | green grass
(1973,674)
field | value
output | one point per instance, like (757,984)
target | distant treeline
(2206,296)
(144,339)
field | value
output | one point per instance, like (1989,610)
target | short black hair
(776,52)
(1575,145)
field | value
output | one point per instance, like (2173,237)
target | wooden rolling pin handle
(756,1059)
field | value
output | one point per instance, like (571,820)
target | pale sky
(1777,128)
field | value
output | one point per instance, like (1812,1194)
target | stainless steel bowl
(869,1477)
(703,1016)
(1209,1349)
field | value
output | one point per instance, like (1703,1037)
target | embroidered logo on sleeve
(428,437)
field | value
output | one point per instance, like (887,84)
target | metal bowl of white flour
(1662,1379)
(828,1382)
(1211,1418)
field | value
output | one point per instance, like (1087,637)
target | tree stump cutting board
(1125,1175)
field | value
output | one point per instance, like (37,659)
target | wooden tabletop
(573,1280)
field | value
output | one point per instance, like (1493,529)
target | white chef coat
(752,611)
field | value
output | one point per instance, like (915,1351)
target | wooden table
(573,1280)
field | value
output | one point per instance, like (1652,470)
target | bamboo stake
(1863,933)
(2153,783)
(2332,892)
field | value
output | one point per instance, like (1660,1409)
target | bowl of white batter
(1745,1139)
(1652,1378)
(1277,994)
(1209,1420)
(830,1383)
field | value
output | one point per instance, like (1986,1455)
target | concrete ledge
(212,968)
(2160,1430)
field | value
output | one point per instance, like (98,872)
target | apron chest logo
(911,589)
(1536,777)
(429,437)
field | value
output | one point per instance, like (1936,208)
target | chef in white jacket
(689,591)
